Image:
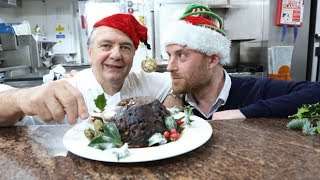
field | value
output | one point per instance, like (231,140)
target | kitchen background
(59,30)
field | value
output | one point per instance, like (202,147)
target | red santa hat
(127,24)
(197,31)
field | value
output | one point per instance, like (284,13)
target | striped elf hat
(197,30)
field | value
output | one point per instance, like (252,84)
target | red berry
(180,122)
(93,119)
(173,131)
(166,134)
(174,136)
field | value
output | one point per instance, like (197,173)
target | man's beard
(193,82)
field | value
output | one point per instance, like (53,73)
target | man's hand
(53,101)
(228,114)
(171,101)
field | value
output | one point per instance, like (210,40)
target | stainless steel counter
(2,69)
(28,80)
(35,78)
(14,71)
(24,84)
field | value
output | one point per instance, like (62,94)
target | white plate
(192,137)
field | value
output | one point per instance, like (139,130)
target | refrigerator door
(313,60)
(94,11)
(166,11)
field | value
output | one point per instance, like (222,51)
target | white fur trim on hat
(198,38)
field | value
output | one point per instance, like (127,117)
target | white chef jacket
(157,85)
(4,87)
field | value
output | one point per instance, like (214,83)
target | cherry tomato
(180,122)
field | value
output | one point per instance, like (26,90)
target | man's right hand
(53,101)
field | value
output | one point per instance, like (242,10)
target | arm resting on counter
(51,102)
(294,95)
(258,98)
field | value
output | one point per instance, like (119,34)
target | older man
(111,48)
(198,48)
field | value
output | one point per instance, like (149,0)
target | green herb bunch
(306,119)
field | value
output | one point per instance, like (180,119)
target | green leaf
(97,117)
(307,128)
(318,127)
(187,113)
(100,102)
(111,138)
(302,111)
(173,111)
(170,123)
(310,111)
(121,152)
(296,124)
(157,138)
(101,142)
(189,110)
(112,131)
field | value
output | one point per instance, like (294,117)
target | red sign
(289,12)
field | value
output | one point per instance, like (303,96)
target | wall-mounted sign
(59,28)
(290,12)
(60,36)
(142,20)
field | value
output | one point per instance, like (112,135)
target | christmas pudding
(140,118)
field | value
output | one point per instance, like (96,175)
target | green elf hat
(197,30)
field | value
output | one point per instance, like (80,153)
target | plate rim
(204,125)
